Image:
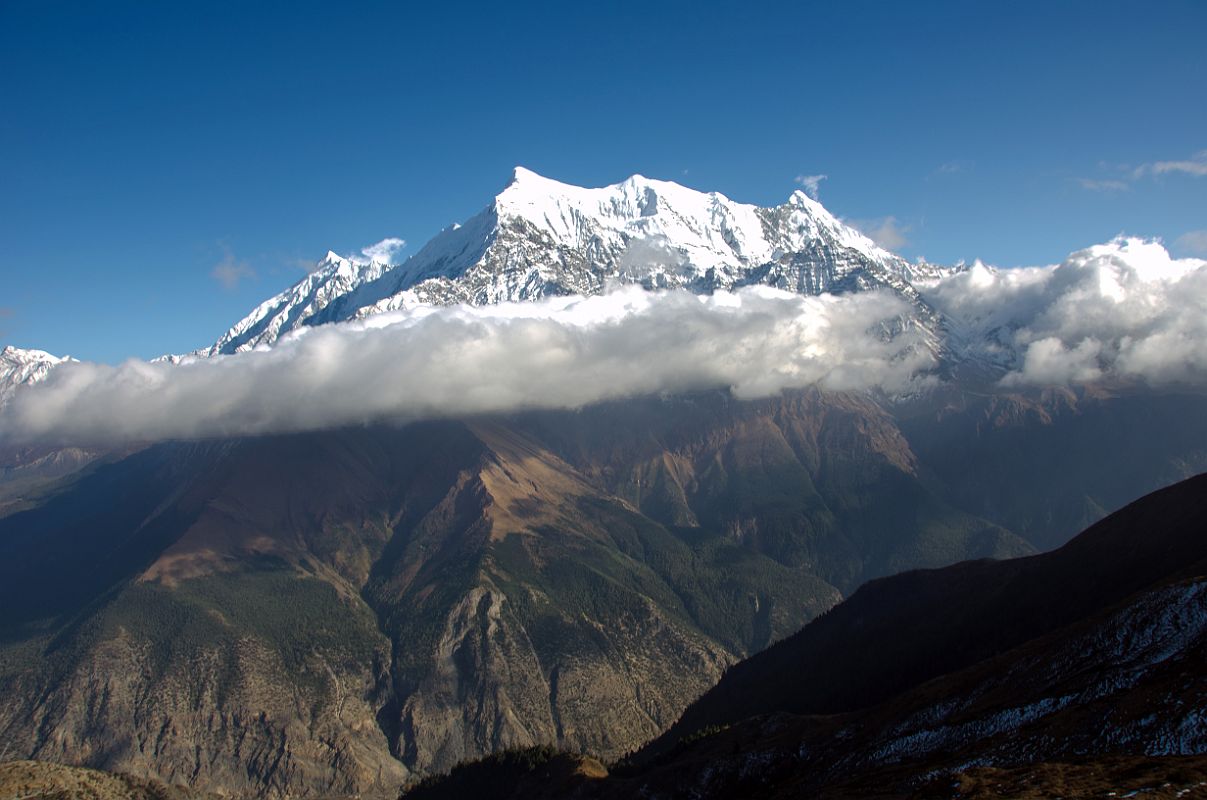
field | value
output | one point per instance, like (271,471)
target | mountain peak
(15,354)
(526,187)
(523,175)
(22,367)
(541,237)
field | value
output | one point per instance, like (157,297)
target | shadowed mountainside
(1064,673)
(335,612)
(338,613)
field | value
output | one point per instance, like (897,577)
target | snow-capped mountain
(333,277)
(22,367)
(540,237)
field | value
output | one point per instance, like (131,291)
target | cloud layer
(1123,309)
(561,353)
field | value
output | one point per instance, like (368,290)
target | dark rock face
(338,613)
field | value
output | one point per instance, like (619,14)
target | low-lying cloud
(1120,310)
(1124,309)
(439,362)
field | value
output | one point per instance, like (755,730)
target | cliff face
(342,612)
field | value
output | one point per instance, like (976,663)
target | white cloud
(1048,362)
(1102,185)
(1195,166)
(1193,242)
(384,251)
(884,231)
(811,183)
(230,271)
(1124,309)
(439,362)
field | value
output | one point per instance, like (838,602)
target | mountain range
(342,610)
(541,238)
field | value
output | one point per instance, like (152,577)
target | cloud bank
(1120,310)
(1123,309)
(439,362)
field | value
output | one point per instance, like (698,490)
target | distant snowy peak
(540,237)
(23,367)
(332,277)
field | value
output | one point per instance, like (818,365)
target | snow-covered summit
(20,367)
(541,237)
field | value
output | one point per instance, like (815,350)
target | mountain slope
(961,615)
(336,612)
(1075,665)
(330,279)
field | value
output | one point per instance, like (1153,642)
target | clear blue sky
(143,144)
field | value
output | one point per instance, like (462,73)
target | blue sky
(143,145)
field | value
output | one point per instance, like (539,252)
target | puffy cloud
(1124,309)
(811,183)
(886,232)
(438,362)
(384,251)
(1048,361)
